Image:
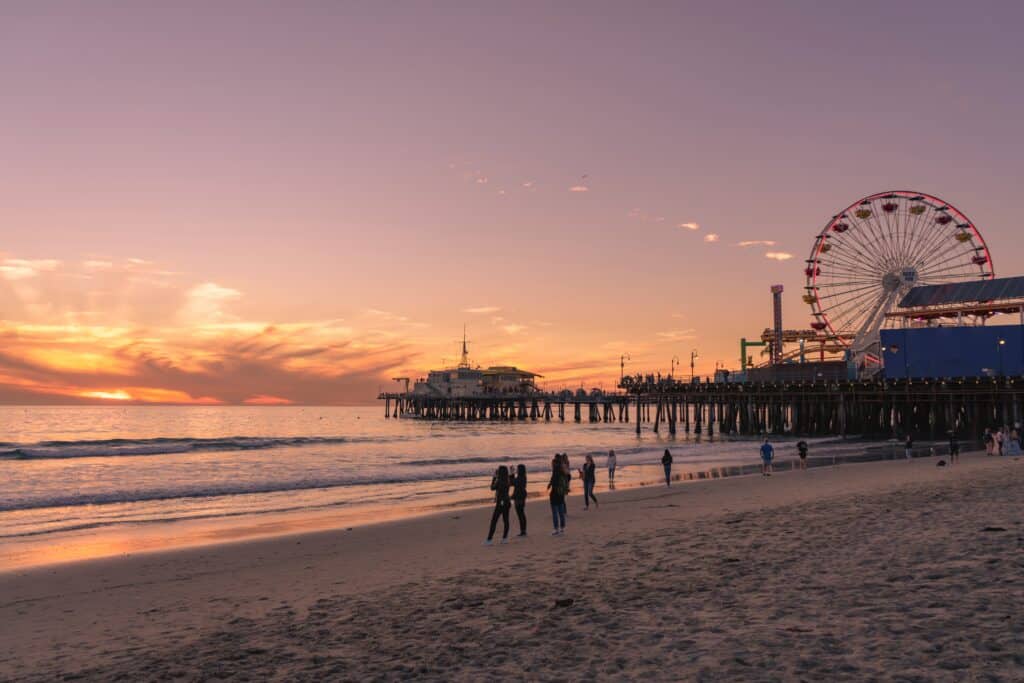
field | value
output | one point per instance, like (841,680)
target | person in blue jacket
(767,454)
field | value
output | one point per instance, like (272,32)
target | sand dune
(893,571)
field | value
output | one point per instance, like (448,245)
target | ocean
(86,482)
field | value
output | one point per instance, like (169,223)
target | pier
(521,406)
(926,408)
(929,408)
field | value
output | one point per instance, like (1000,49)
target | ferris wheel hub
(904,279)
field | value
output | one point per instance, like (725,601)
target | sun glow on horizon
(118,395)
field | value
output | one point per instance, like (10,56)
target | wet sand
(889,570)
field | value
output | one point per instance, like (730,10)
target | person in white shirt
(611,462)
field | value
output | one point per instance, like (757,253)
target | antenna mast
(465,350)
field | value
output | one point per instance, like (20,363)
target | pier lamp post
(622,366)
(693,357)
(675,364)
(999,346)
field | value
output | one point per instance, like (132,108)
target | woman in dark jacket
(558,487)
(500,484)
(666,462)
(519,496)
(589,473)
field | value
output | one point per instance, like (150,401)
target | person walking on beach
(500,484)
(954,449)
(558,486)
(908,447)
(589,476)
(1012,443)
(801,449)
(998,438)
(519,496)
(666,462)
(611,462)
(767,454)
(988,440)
(567,471)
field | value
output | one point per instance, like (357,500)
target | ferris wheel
(872,253)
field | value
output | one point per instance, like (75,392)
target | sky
(270,203)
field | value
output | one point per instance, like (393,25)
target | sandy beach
(888,570)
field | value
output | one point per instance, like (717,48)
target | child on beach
(589,476)
(500,484)
(801,449)
(954,449)
(666,462)
(1012,444)
(611,462)
(558,486)
(908,447)
(767,453)
(519,496)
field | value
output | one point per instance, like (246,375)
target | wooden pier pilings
(878,408)
(532,406)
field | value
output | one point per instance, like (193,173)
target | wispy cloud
(513,328)
(690,226)
(529,185)
(756,243)
(387,316)
(21,269)
(481,180)
(677,335)
(778,255)
(481,310)
(711,237)
(579,188)
(644,216)
(267,400)
(204,303)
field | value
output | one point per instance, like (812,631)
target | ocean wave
(115,497)
(168,446)
(99,523)
(532,458)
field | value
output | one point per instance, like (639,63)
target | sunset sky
(254,202)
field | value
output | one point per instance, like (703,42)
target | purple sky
(376,171)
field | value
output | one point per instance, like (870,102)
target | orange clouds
(264,400)
(106,331)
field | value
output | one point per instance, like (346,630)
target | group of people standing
(501,482)
(561,481)
(1004,441)
(558,488)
